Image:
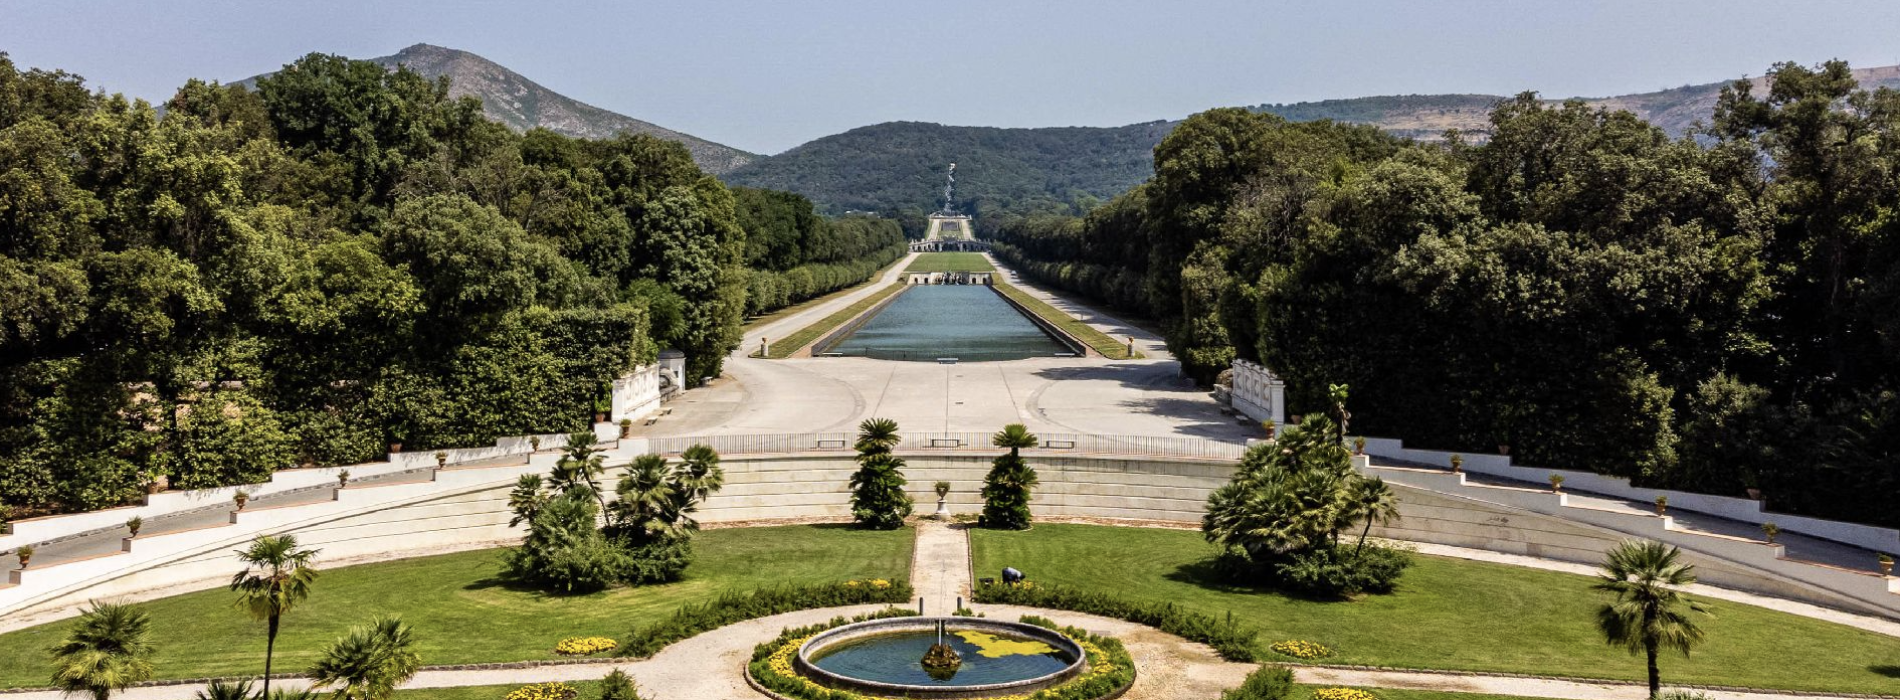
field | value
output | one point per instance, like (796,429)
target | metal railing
(925,443)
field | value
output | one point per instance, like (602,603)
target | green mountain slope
(511,98)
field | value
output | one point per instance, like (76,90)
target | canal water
(969,322)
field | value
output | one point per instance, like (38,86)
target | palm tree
(106,651)
(1372,501)
(526,499)
(221,689)
(878,500)
(698,474)
(276,577)
(1649,613)
(580,467)
(1006,488)
(369,662)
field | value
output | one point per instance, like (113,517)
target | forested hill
(1429,116)
(899,167)
(512,99)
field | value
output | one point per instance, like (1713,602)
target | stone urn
(943,507)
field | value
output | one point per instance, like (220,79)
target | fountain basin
(884,658)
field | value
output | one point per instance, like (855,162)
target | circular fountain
(887,658)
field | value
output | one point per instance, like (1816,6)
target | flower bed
(544,691)
(584,646)
(1301,649)
(1229,638)
(1111,670)
(729,608)
(1342,694)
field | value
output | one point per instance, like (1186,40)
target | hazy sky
(766,76)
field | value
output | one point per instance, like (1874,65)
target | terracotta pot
(395,447)
(1886,568)
(1504,449)
(1754,494)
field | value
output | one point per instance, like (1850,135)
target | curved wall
(788,487)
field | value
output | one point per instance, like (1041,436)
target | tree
(1007,487)
(221,689)
(618,686)
(106,650)
(369,662)
(1650,613)
(578,470)
(277,576)
(1372,501)
(878,500)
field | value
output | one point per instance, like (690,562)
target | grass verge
(1449,614)
(1109,347)
(462,614)
(784,347)
(950,262)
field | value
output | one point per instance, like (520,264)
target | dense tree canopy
(1717,313)
(342,259)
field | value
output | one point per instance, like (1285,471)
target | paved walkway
(940,566)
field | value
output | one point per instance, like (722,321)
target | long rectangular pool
(966,321)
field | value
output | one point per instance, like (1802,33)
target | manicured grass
(784,347)
(1450,614)
(950,262)
(1305,692)
(1109,347)
(589,690)
(463,615)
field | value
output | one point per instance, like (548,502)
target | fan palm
(1015,437)
(277,576)
(526,499)
(221,689)
(878,500)
(1649,613)
(1372,501)
(369,662)
(106,651)
(698,474)
(1006,489)
(580,467)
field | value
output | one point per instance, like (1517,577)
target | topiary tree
(878,500)
(1007,487)
(1650,612)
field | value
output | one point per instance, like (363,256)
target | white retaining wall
(1866,536)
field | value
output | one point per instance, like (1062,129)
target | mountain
(900,165)
(512,99)
(1429,116)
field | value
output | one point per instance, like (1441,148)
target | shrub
(544,691)
(1341,572)
(734,607)
(1682,695)
(1265,683)
(617,686)
(1232,641)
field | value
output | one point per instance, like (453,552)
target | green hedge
(1268,682)
(734,607)
(1230,639)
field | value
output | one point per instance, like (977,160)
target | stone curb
(1574,679)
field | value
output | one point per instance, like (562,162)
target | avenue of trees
(344,259)
(1717,313)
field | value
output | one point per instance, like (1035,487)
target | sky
(766,76)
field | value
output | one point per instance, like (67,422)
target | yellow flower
(1301,649)
(544,691)
(1343,694)
(880,583)
(583,646)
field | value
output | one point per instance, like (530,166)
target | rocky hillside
(513,99)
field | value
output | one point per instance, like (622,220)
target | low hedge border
(732,607)
(1111,669)
(1230,639)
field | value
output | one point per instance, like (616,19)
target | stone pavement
(940,566)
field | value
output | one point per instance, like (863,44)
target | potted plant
(241,498)
(1359,446)
(1457,464)
(534,443)
(1270,426)
(25,553)
(626,427)
(1770,530)
(134,525)
(1556,483)
(343,478)
(1662,505)
(395,447)
(441,459)
(943,509)
(1886,563)
(1504,448)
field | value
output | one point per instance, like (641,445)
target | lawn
(462,614)
(950,262)
(1109,347)
(1451,614)
(784,347)
(1305,692)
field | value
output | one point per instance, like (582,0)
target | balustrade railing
(1050,444)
